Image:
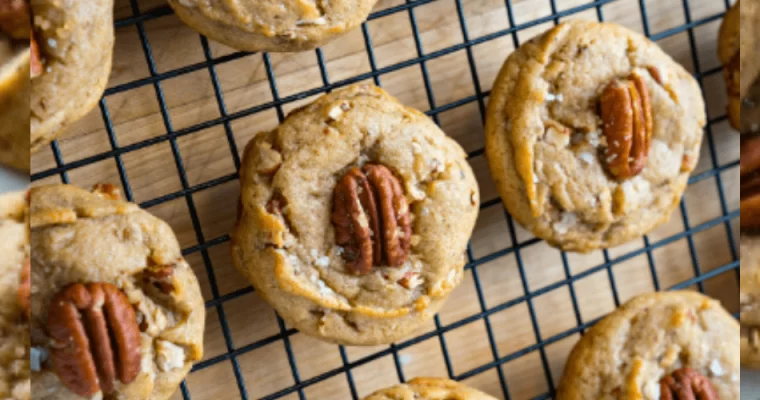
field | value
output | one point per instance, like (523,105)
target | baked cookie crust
(546,143)
(277,26)
(76,44)
(285,241)
(429,389)
(629,352)
(79,237)
(14,347)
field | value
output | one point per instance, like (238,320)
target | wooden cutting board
(207,156)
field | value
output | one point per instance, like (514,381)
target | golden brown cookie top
(92,249)
(14,247)
(289,25)
(362,204)
(631,352)
(429,389)
(592,132)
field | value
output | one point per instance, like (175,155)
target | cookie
(354,216)
(14,298)
(14,84)
(738,44)
(429,389)
(750,250)
(75,41)
(277,26)
(591,134)
(112,294)
(652,344)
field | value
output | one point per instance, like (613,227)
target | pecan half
(95,338)
(686,384)
(626,112)
(371,219)
(25,289)
(750,184)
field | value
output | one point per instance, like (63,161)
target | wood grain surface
(508,293)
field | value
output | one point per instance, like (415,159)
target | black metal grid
(139,18)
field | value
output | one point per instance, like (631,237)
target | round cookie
(591,134)
(354,216)
(650,340)
(14,84)
(429,389)
(750,250)
(14,347)
(277,26)
(738,44)
(119,269)
(75,41)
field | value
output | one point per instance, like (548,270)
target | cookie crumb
(169,356)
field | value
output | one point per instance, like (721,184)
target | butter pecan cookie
(15,52)
(354,216)
(591,134)
(429,389)
(738,47)
(750,250)
(657,346)
(14,298)
(116,312)
(75,40)
(267,25)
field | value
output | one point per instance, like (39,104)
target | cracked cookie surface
(279,26)
(79,237)
(14,329)
(285,240)
(547,143)
(628,353)
(429,389)
(76,41)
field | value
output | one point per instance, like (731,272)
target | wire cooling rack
(715,171)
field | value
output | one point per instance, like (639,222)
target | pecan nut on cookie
(74,40)
(750,250)
(739,51)
(14,298)
(354,216)
(116,312)
(668,346)
(591,134)
(17,51)
(268,25)
(429,389)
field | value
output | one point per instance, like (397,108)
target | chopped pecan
(626,112)
(25,288)
(160,276)
(750,184)
(95,338)
(35,60)
(107,191)
(15,19)
(686,384)
(371,218)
